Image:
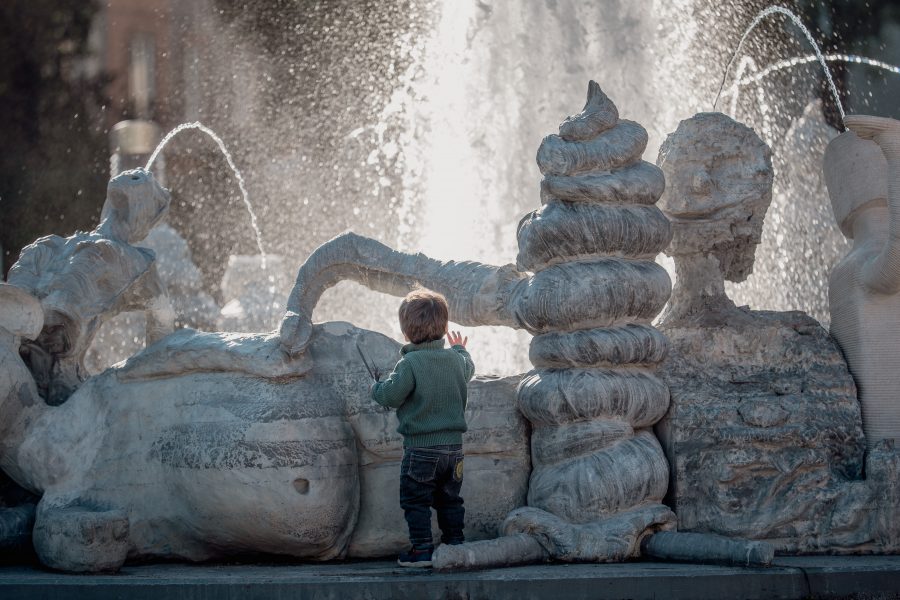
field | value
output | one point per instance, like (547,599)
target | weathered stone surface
(16,524)
(763,430)
(862,171)
(641,183)
(593,279)
(599,114)
(206,445)
(599,474)
(628,344)
(763,433)
(607,151)
(562,231)
(718,187)
(600,293)
(568,296)
(707,548)
(596,485)
(88,278)
(612,539)
(515,548)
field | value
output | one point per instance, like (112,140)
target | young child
(428,389)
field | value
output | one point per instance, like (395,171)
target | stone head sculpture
(718,188)
(135,203)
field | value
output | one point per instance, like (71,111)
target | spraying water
(739,81)
(818,52)
(240,178)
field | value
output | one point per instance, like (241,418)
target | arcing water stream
(739,81)
(793,17)
(237,173)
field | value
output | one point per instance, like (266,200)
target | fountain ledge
(870,577)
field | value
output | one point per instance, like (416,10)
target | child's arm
(394,390)
(458,343)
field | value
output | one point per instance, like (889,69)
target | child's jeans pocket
(421,467)
(457,463)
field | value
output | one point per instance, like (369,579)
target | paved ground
(865,578)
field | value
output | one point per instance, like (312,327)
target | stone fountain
(205,445)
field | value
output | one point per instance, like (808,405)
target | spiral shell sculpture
(593,396)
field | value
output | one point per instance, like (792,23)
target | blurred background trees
(53,160)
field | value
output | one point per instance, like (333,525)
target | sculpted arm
(882,274)
(478,294)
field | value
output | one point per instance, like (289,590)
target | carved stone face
(718,188)
(136,203)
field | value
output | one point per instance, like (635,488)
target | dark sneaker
(417,557)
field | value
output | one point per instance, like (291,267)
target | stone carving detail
(593,397)
(87,278)
(862,172)
(763,434)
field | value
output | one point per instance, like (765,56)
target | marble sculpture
(862,172)
(88,278)
(203,445)
(764,433)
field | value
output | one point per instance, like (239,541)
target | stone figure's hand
(456,339)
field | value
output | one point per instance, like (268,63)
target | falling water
(756,21)
(436,154)
(734,90)
(240,178)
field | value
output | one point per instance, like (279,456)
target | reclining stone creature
(87,278)
(206,445)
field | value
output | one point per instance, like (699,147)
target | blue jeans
(432,477)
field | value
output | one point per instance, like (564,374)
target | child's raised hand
(456,339)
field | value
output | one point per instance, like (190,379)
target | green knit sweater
(428,389)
